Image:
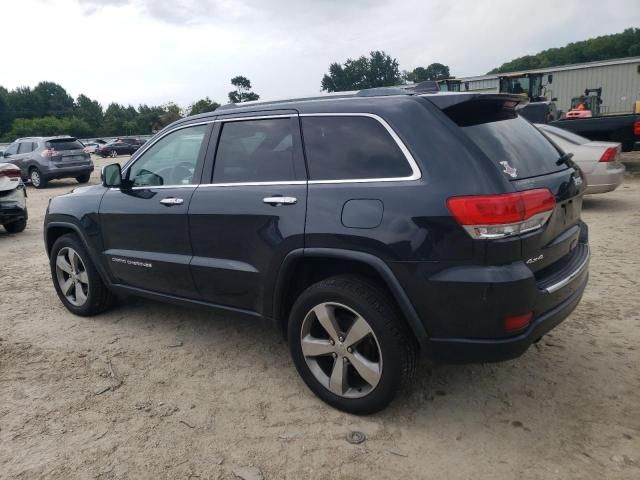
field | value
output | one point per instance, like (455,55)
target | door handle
(280,200)
(169,202)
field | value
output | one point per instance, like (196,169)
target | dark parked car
(41,159)
(115,148)
(366,227)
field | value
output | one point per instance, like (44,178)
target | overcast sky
(154,51)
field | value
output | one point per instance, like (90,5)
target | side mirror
(111,175)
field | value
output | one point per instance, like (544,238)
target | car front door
(252,213)
(145,223)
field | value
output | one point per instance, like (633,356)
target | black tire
(98,298)
(16,227)
(37,180)
(397,347)
(83,178)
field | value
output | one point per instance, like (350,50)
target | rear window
(516,146)
(351,147)
(64,144)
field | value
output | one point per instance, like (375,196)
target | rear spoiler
(444,101)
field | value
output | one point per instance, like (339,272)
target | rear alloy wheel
(36,178)
(350,345)
(77,282)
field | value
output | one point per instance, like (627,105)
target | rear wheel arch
(303,268)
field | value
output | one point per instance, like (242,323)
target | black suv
(367,227)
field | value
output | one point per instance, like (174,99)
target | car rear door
(145,224)
(252,212)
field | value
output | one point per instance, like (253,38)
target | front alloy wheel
(341,350)
(113,154)
(72,276)
(36,178)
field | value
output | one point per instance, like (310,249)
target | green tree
(243,92)
(618,45)
(53,100)
(203,105)
(5,115)
(377,70)
(90,111)
(171,113)
(435,71)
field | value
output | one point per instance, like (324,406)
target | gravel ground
(149,390)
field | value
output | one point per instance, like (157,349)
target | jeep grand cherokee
(366,226)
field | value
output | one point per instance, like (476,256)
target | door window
(351,147)
(25,147)
(256,151)
(171,160)
(12,150)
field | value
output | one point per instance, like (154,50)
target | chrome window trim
(416,174)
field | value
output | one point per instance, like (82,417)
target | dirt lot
(197,396)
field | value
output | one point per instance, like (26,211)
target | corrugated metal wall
(620,86)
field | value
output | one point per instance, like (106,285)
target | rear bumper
(462,350)
(605,178)
(13,206)
(66,172)
(464,308)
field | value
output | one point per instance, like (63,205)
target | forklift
(539,109)
(586,105)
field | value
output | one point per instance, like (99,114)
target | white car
(13,199)
(599,161)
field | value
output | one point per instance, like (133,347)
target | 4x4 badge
(509,170)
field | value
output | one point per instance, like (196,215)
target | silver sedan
(599,161)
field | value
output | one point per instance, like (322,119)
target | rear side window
(64,144)
(256,151)
(516,146)
(351,147)
(25,147)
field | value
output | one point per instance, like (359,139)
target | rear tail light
(48,152)
(611,154)
(517,322)
(503,215)
(10,172)
(636,128)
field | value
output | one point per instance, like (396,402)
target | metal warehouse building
(619,79)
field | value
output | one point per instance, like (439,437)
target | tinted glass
(171,160)
(25,147)
(515,145)
(64,144)
(12,149)
(255,151)
(343,148)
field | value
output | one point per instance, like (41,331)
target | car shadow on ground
(600,203)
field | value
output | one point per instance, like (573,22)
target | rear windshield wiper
(564,158)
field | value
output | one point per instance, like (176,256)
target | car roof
(46,139)
(370,101)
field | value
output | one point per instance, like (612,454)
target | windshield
(64,144)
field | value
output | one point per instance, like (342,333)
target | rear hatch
(66,152)
(528,161)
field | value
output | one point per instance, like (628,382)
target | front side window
(12,149)
(351,147)
(171,160)
(256,151)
